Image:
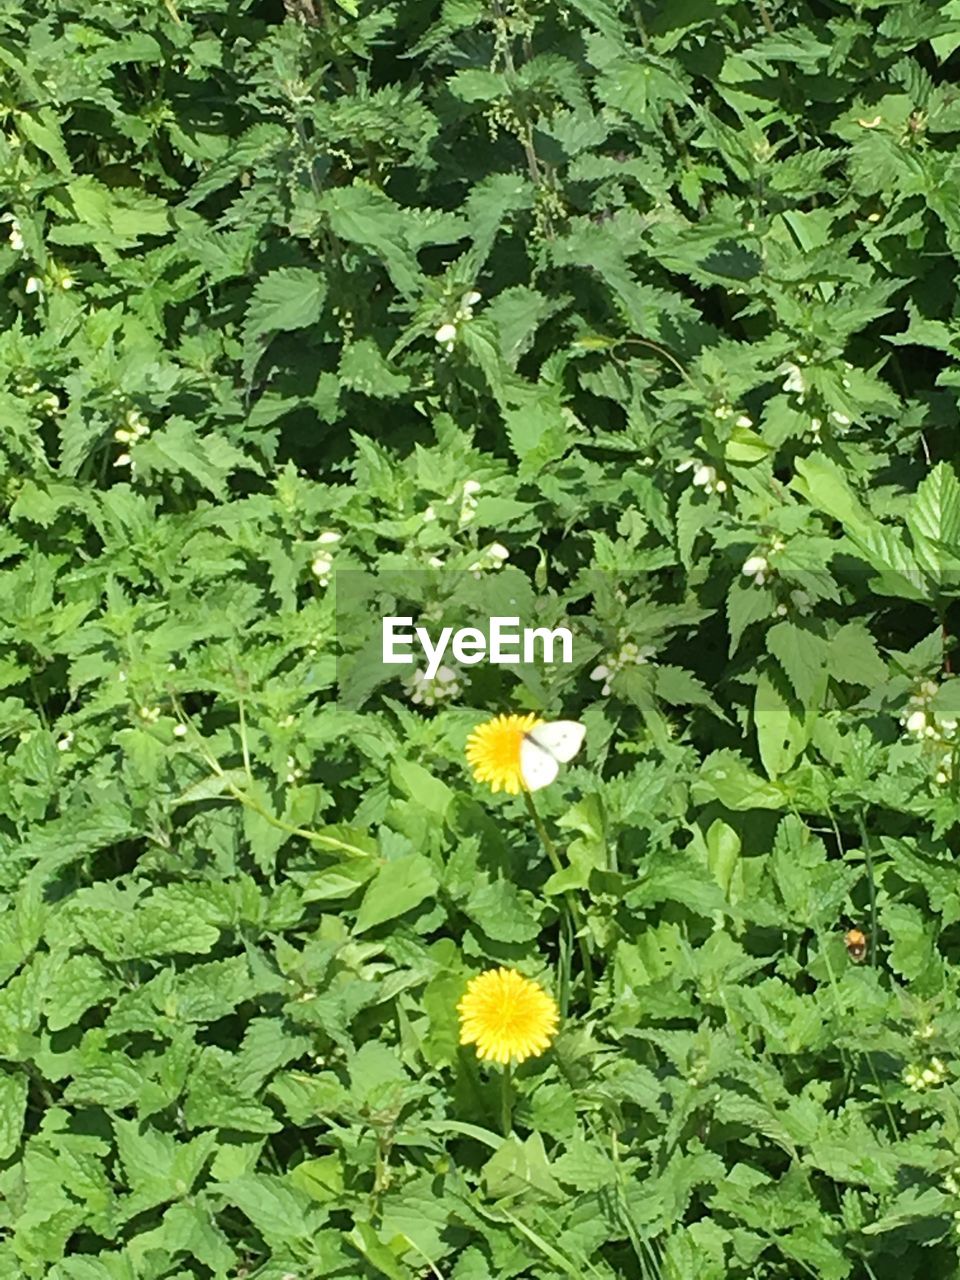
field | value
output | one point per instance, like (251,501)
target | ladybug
(855,940)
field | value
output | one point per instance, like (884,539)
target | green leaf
(13,1102)
(43,130)
(520,1168)
(281,1213)
(933,519)
(504,912)
(399,886)
(726,777)
(723,852)
(780,735)
(803,655)
(285,299)
(178,450)
(433,795)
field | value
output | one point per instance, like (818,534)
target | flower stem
(572,906)
(506,1100)
(545,840)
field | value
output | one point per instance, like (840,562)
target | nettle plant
(646,312)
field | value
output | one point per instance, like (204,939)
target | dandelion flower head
(507,1016)
(493,751)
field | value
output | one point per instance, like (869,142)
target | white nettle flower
(492,557)
(123,460)
(136,424)
(66,742)
(916,723)
(33,285)
(179,730)
(840,419)
(446,684)
(320,568)
(468,503)
(704,476)
(604,673)
(328,538)
(446,336)
(467,303)
(15,238)
(794,383)
(757,568)
(744,421)
(629,653)
(918,1077)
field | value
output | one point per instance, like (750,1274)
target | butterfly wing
(562,739)
(546,747)
(537,765)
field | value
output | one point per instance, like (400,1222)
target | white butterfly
(545,748)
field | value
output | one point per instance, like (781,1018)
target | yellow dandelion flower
(507,1016)
(493,751)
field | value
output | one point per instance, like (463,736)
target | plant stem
(549,846)
(316,837)
(570,901)
(871,886)
(506,1100)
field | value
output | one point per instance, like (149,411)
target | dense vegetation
(645,311)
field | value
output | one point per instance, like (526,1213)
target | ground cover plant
(644,314)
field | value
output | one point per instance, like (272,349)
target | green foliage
(657,301)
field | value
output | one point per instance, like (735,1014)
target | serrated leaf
(13,1101)
(728,778)
(286,299)
(399,886)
